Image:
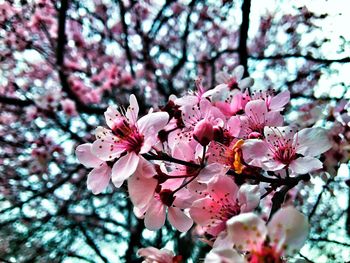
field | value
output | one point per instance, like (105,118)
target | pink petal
(133,109)
(183,199)
(274,135)
(141,189)
(124,168)
(288,228)
(183,151)
(155,215)
(187,100)
(304,165)
(98,178)
(254,152)
(152,123)
(272,165)
(210,171)
(223,187)
(248,197)
(85,156)
(110,115)
(279,101)
(223,255)
(256,110)
(201,211)
(247,231)
(312,141)
(107,150)
(233,126)
(274,118)
(179,220)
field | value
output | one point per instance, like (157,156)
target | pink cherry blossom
(68,106)
(222,200)
(283,147)
(256,118)
(284,234)
(127,139)
(192,115)
(165,202)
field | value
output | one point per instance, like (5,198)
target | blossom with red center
(165,201)
(283,147)
(223,200)
(191,116)
(256,118)
(127,139)
(284,235)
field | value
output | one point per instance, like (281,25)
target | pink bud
(203,132)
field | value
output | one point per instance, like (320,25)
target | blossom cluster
(207,159)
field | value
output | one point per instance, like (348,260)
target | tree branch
(243,36)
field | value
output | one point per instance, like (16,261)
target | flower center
(232,84)
(265,255)
(134,141)
(285,154)
(122,128)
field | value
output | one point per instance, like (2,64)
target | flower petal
(233,125)
(85,156)
(107,150)
(133,109)
(223,255)
(152,123)
(179,220)
(288,230)
(155,215)
(247,231)
(256,111)
(245,83)
(98,178)
(141,189)
(303,165)
(274,118)
(111,114)
(124,168)
(312,141)
(279,101)
(276,135)
(255,152)
(248,197)
(238,72)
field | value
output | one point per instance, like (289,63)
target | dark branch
(15,101)
(307,57)
(243,36)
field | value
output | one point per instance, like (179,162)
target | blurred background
(63,62)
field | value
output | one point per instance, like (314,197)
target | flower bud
(203,132)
